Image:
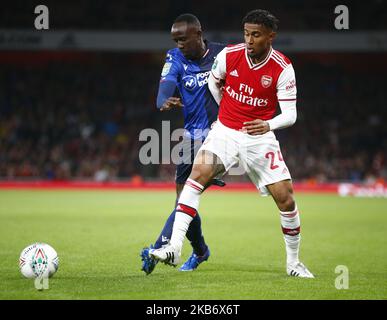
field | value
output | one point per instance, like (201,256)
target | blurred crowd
(77,120)
(340,133)
(66,120)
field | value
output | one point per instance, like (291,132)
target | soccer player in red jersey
(248,80)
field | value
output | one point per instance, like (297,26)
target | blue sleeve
(169,79)
(166,90)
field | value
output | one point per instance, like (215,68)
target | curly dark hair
(262,17)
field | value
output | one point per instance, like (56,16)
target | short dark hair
(188,18)
(263,17)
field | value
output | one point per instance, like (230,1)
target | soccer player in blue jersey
(186,71)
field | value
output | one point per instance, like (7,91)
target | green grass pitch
(98,236)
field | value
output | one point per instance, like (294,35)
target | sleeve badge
(166,68)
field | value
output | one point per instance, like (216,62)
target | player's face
(258,39)
(188,39)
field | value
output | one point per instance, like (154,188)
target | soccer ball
(38,260)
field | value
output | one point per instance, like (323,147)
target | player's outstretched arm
(165,99)
(215,87)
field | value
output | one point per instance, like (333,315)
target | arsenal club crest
(266,81)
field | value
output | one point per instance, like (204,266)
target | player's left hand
(255,127)
(170,103)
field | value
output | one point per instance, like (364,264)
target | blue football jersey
(191,78)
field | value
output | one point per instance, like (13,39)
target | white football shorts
(260,155)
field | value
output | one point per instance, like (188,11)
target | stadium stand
(73,114)
(78,115)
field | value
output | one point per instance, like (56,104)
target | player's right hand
(171,102)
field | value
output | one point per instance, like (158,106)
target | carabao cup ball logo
(39,262)
(189,82)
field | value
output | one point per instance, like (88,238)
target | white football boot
(298,270)
(168,254)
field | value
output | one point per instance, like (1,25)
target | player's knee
(201,174)
(286,203)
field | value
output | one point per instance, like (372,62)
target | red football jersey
(252,91)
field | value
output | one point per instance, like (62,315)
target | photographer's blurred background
(74,98)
